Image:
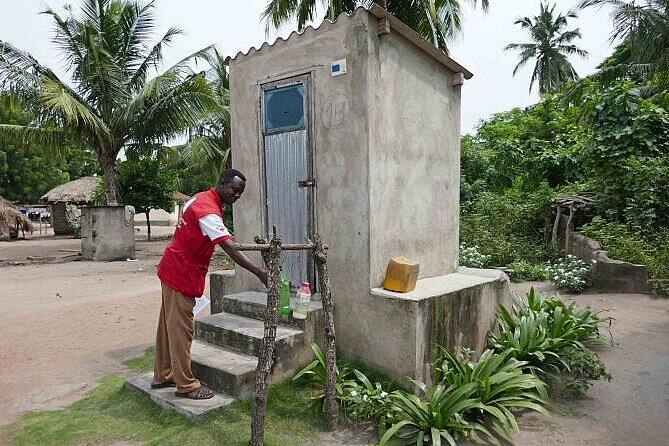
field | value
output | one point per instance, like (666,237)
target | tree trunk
(265,362)
(108,163)
(331,404)
(148,225)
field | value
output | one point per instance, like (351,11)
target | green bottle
(284,294)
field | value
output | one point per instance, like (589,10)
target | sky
(235,26)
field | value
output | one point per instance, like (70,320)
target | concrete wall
(386,155)
(608,275)
(414,160)
(106,233)
(339,137)
(456,310)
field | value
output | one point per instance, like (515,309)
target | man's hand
(242,260)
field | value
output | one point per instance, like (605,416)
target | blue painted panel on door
(284,109)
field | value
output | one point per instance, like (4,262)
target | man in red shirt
(182,271)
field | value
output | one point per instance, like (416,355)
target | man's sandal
(162,385)
(201,393)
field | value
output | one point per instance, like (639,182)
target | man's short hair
(229,174)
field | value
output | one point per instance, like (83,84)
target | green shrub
(526,336)
(570,274)
(587,322)
(553,338)
(73,217)
(624,243)
(437,414)
(358,397)
(584,366)
(363,400)
(524,271)
(314,374)
(510,226)
(503,385)
(472,258)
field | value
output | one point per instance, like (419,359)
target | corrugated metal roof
(378,12)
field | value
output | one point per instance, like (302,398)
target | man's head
(230,186)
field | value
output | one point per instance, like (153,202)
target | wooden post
(331,405)
(556,227)
(265,362)
(569,231)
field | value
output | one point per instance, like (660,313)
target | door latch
(307,183)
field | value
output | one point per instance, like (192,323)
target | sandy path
(633,409)
(66,325)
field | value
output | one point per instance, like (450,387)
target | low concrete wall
(107,233)
(219,287)
(609,275)
(454,311)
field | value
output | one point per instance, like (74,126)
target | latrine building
(352,130)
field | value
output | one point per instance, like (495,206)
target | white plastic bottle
(302,301)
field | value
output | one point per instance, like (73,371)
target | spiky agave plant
(503,385)
(437,415)
(315,374)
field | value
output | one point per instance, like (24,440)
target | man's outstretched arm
(242,260)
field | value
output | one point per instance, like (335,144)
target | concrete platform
(223,370)
(192,409)
(242,334)
(253,304)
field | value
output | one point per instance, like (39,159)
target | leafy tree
(628,155)
(146,184)
(26,171)
(112,103)
(550,46)
(438,21)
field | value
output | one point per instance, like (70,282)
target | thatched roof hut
(12,218)
(79,191)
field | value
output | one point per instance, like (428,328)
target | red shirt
(186,258)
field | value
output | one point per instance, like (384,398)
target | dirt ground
(67,324)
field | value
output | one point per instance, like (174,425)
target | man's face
(232,190)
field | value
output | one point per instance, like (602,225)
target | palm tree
(438,21)
(208,148)
(550,46)
(643,29)
(112,103)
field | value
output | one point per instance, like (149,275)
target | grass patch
(144,363)
(110,413)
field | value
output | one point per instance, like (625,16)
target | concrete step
(223,370)
(192,409)
(253,304)
(243,334)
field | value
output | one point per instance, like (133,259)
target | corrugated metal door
(287,167)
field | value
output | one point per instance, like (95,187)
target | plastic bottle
(284,294)
(303,298)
